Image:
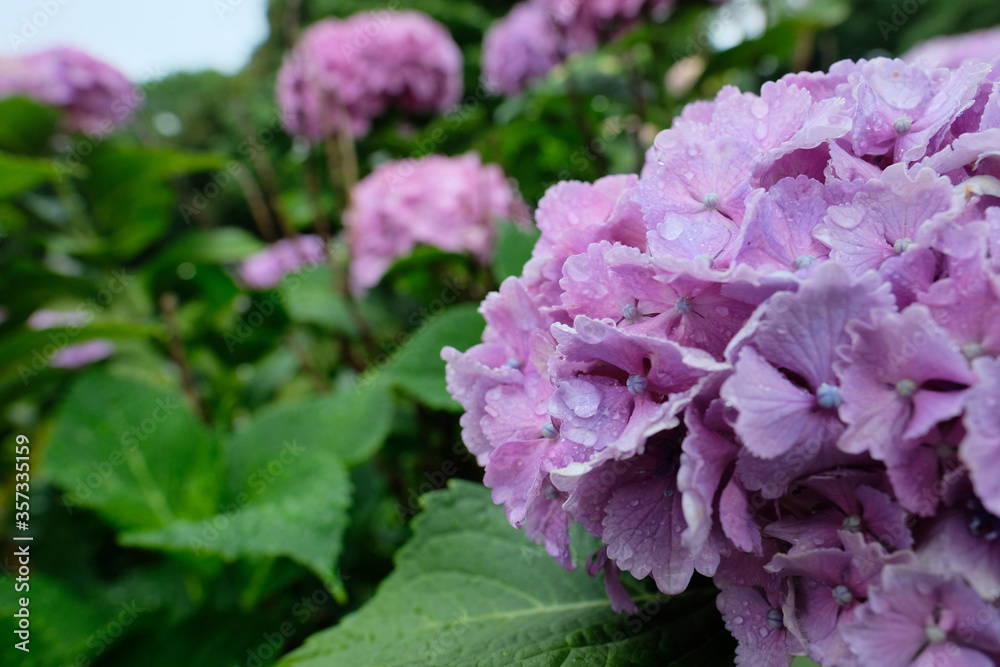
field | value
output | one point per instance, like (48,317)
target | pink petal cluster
(265,269)
(95,96)
(345,72)
(772,358)
(451,203)
(537,35)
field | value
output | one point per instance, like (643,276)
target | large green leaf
(132,452)
(417,367)
(464,593)
(288,490)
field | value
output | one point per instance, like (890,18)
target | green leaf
(130,196)
(418,369)
(349,424)
(463,594)
(309,298)
(133,453)
(25,125)
(207,246)
(288,490)
(514,246)
(802,661)
(18,174)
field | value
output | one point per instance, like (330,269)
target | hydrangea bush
(95,96)
(771,358)
(345,72)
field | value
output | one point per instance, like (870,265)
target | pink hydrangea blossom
(451,203)
(539,34)
(266,268)
(771,358)
(95,96)
(345,72)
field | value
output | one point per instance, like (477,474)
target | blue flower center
(852,524)
(842,595)
(901,245)
(828,396)
(775,619)
(802,261)
(637,384)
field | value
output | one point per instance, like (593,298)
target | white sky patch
(145,39)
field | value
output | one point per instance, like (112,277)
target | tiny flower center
(551,493)
(549,431)
(711,200)
(802,261)
(636,384)
(943,451)
(683,305)
(775,619)
(972,350)
(852,524)
(842,595)
(630,313)
(828,396)
(902,125)
(935,634)
(512,363)
(901,245)
(705,257)
(906,387)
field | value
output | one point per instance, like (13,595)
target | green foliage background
(241,474)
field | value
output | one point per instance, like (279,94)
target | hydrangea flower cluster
(772,358)
(265,269)
(349,71)
(537,35)
(95,96)
(451,203)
